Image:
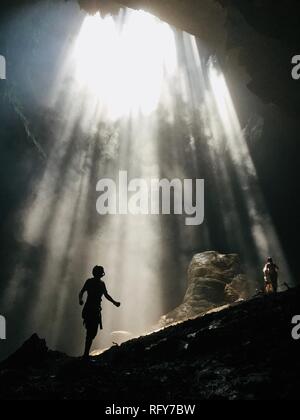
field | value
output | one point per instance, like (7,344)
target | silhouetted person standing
(91,314)
(271,275)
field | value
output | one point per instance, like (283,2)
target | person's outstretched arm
(82,292)
(110,299)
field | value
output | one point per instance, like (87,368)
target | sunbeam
(263,232)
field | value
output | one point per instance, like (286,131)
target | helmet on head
(98,271)
(270,260)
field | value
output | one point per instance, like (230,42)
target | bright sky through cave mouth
(122,67)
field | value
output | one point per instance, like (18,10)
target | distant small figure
(271,276)
(91,313)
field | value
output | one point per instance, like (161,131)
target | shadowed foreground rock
(243,352)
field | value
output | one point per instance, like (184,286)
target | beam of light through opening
(116,96)
(262,228)
(121,70)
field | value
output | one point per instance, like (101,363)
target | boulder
(214,280)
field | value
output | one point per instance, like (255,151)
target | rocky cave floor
(243,352)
